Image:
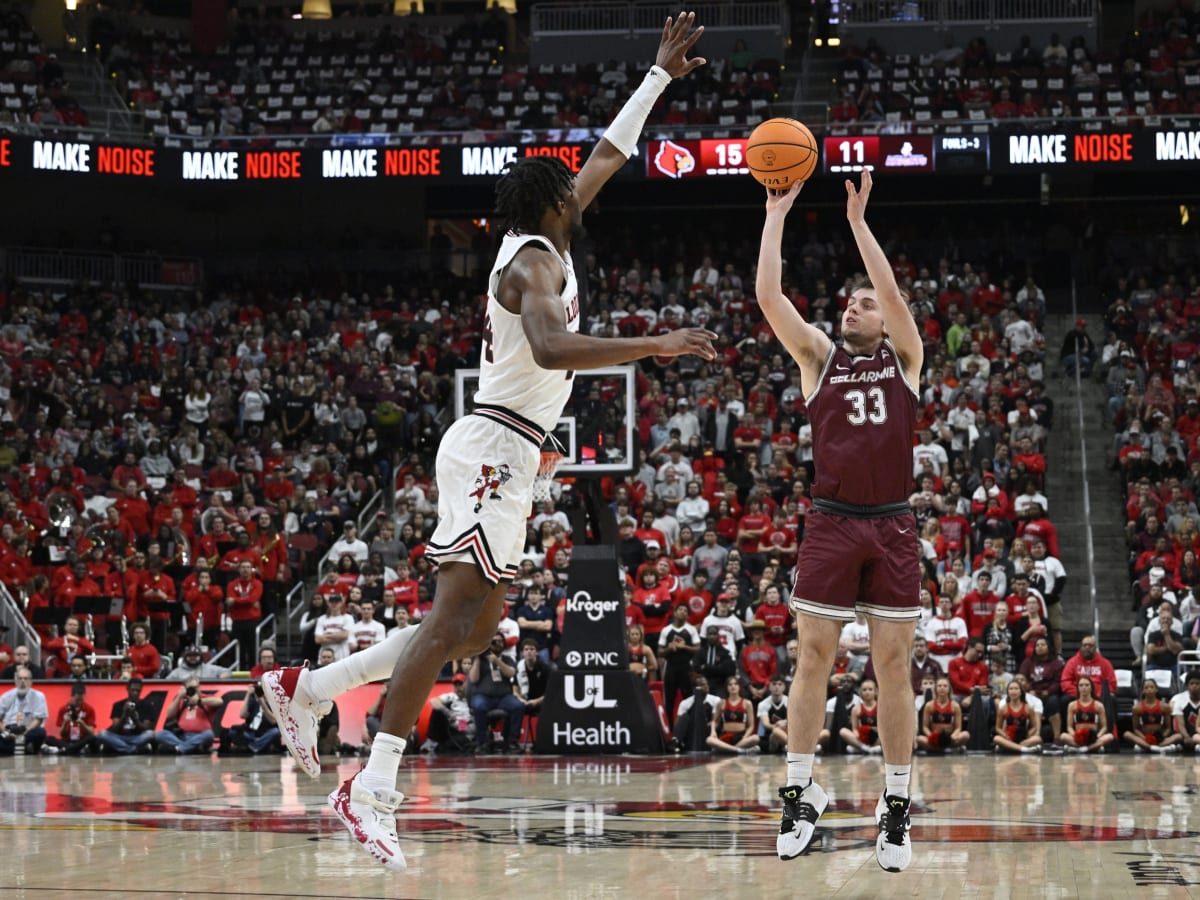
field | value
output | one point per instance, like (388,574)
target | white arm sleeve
(626,128)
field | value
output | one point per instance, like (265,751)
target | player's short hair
(1193,675)
(530,186)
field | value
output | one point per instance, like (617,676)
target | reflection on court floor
(576,827)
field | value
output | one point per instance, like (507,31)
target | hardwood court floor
(589,828)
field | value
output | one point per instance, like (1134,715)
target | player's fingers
(666,30)
(692,38)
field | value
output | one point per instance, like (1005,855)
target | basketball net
(545,475)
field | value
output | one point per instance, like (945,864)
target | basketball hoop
(545,475)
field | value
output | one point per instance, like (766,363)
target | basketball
(780,152)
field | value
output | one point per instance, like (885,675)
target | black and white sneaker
(893,849)
(802,806)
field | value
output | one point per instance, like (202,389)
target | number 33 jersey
(863,414)
(508,375)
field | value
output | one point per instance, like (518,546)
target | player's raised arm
(537,278)
(808,345)
(897,318)
(621,138)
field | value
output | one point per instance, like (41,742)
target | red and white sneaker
(370,817)
(295,714)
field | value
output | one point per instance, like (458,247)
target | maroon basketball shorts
(849,564)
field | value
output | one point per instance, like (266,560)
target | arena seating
(1158,74)
(33,92)
(418,80)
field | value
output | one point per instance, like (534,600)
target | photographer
(132,725)
(189,720)
(450,723)
(693,718)
(258,732)
(23,711)
(491,679)
(76,725)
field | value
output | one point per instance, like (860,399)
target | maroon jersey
(863,416)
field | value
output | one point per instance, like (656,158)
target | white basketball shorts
(485,468)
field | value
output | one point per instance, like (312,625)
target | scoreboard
(1021,147)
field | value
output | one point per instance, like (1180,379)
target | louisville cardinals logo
(488,482)
(673,160)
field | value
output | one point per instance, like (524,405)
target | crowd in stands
(409,78)
(1149,362)
(33,88)
(1156,72)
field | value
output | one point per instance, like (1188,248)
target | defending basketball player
(487,461)
(859,551)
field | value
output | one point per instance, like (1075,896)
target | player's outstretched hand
(780,200)
(697,341)
(678,38)
(856,201)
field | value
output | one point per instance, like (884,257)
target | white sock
(800,766)
(896,778)
(373,664)
(383,763)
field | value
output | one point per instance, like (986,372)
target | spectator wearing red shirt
(405,586)
(203,599)
(780,539)
(748,436)
(243,602)
(146,660)
(63,648)
(1038,526)
(969,671)
(777,620)
(266,662)
(647,532)
(654,600)
(183,495)
(242,553)
(156,588)
(134,509)
(979,606)
(221,477)
(751,527)
(128,471)
(1088,661)
(698,598)
(633,612)
(759,661)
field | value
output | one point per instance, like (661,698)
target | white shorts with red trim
(485,474)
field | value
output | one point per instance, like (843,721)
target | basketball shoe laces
(894,823)
(795,809)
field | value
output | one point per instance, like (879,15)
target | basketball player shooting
(860,543)
(487,461)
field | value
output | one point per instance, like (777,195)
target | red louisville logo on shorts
(488,483)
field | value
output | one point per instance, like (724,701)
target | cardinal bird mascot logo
(489,481)
(673,160)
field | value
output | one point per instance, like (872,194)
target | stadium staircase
(107,113)
(1064,487)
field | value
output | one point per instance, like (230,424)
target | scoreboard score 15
(691,159)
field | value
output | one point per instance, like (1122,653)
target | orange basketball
(780,152)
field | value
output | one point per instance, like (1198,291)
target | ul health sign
(594,703)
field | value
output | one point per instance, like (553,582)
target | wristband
(626,128)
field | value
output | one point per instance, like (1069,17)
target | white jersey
(508,375)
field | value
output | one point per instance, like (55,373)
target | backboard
(597,427)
